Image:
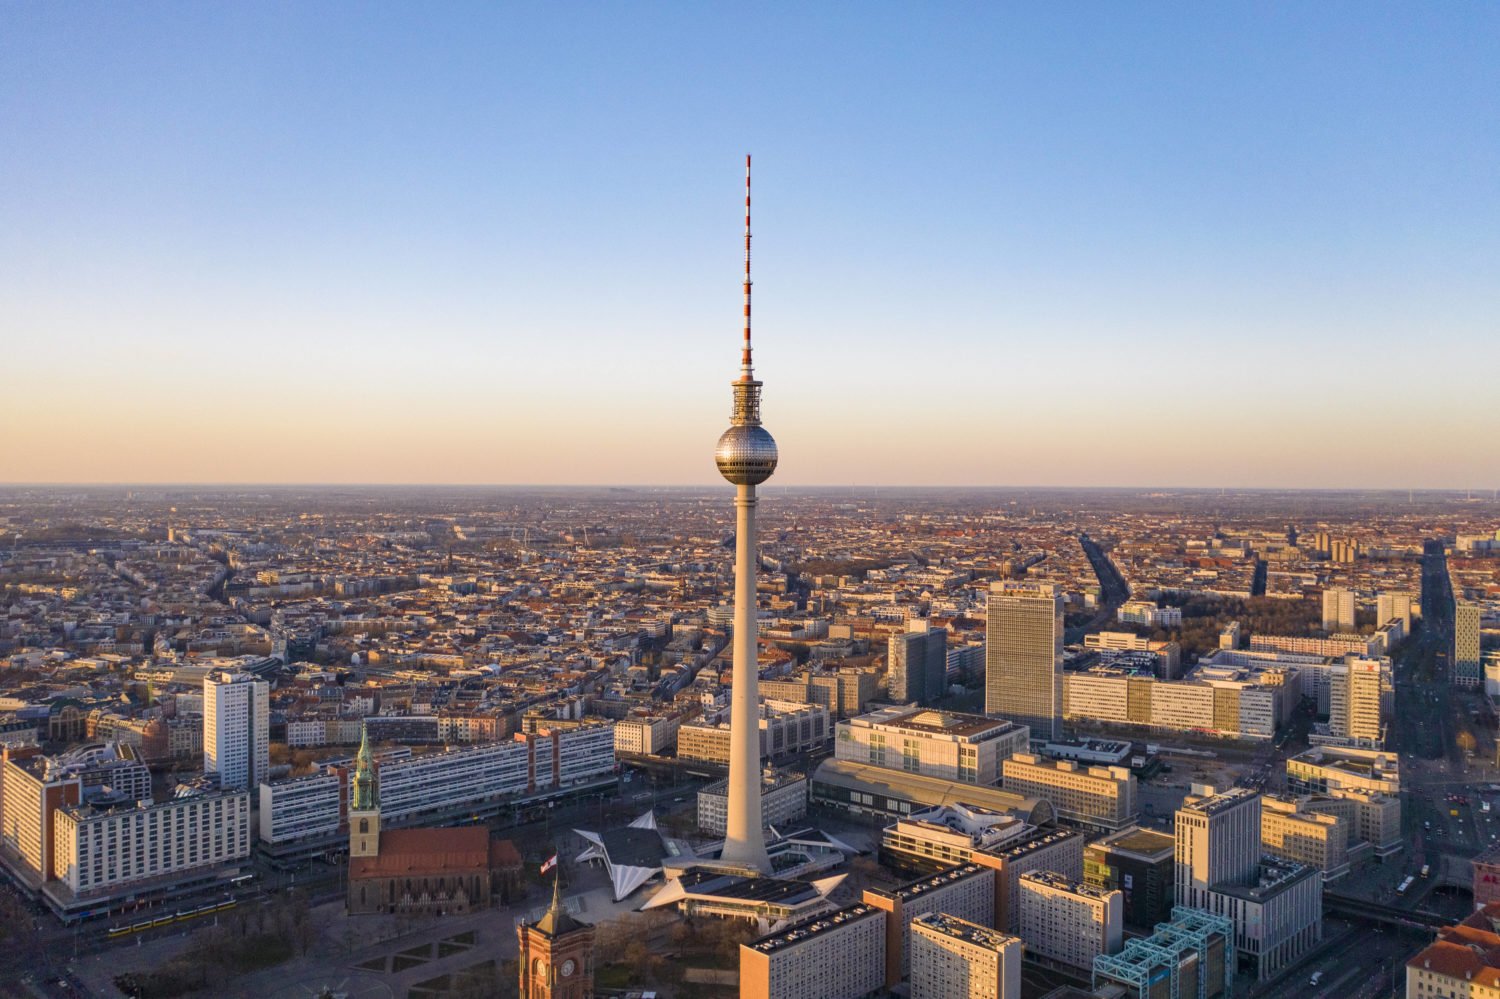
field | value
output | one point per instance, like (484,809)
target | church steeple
(364,804)
(366,795)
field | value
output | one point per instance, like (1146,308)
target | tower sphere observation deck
(746,454)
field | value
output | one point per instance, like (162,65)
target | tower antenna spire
(745,367)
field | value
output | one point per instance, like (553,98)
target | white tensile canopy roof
(632,855)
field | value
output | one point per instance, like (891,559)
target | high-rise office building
(746,456)
(1360,699)
(1466,657)
(1023,659)
(237,729)
(917,664)
(1218,842)
(1338,611)
(1276,905)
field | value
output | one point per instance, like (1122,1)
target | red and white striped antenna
(745,372)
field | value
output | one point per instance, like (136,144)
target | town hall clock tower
(557,954)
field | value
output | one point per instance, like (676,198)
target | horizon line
(203,484)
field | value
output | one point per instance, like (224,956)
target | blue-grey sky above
(1093,244)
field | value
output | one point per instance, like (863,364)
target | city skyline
(1014,248)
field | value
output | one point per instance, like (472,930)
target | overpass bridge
(1376,912)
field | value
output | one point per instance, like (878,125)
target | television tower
(746,456)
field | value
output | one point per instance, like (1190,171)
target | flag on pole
(550,863)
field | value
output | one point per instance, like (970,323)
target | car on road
(1317,976)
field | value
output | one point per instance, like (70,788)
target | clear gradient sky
(1060,244)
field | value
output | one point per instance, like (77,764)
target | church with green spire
(425,870)
(364,804)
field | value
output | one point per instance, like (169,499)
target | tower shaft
(744,837)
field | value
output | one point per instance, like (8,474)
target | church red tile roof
(426,852)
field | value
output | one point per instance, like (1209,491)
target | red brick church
(425,871)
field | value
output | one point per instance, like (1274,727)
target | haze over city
(476,244)
(439,560)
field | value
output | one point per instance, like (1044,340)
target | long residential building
(943,744)
(100,849)
(1227,702)
(786,728)
(414,788)
(1099,798)
(837,955)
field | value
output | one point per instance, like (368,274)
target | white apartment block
(838,955)
(236,729)
(300,807)
(1390,606)
(98,849)
(645,736)
(1102,798)
(1058,850)
(1338,610)
(783,799)
(1068,922)
(942,744)
(414,787)
(952,958)
(1145,612)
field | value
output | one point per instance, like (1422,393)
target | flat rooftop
(932,882)
(1041,841)
(729,887)
(1147,843)
(1219,802)
(1274,876)
(939,722)
(809,928)
(1052,879)
(962,929)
